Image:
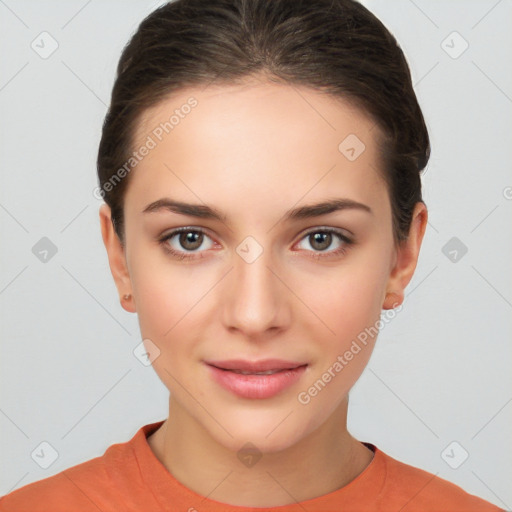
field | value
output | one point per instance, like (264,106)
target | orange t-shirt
(128,477)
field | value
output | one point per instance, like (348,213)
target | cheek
(157,304)
(347,301)
(170,303)
(165,293)
(344,338)
(165,310)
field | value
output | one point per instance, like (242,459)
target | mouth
(263,367)
(259,379)
(267,372)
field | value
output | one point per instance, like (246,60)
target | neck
(322,462)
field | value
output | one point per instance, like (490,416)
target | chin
(267,432)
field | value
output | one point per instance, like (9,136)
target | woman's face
(258,283)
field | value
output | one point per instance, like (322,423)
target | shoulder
(96,484)
(415,489)
(69,488)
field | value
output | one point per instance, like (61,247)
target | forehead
(254,142)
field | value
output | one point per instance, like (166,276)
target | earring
(127,296)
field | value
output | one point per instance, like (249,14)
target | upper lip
(255,366)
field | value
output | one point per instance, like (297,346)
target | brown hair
(334,46)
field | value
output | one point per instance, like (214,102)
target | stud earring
(127,296)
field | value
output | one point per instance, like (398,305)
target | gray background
(441,370)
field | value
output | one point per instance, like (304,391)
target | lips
(263,367)
(256,379)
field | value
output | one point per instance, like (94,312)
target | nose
(255,298)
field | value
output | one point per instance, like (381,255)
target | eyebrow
(301,212)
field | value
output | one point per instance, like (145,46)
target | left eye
(321,240)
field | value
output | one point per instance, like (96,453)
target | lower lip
(256,386)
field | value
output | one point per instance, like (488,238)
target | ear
(116,259)
(406,258)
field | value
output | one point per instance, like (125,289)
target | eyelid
(340,231)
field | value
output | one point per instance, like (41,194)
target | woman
(260,164)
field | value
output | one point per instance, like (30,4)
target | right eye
(183,243)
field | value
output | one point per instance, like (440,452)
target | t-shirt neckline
(168,490)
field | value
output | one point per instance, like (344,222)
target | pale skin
(253,152)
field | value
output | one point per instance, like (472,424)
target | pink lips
(252,385)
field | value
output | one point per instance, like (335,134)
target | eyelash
(347,242)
